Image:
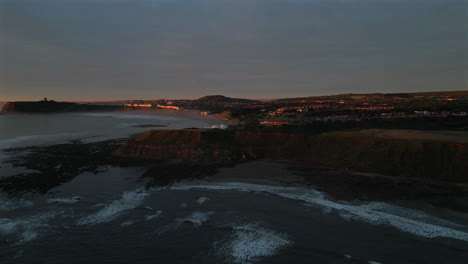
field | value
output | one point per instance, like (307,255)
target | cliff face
(8,108)
(215,145)
(410,158)
(52,106)
(206,145)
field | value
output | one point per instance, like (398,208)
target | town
(422,111)
(450,108)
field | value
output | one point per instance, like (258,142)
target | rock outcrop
(434,160)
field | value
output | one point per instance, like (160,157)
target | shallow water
(24,130)
(110,217)
(30,129)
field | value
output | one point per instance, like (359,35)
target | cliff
(444,161)
(394,156)
(52,106)
(209,145)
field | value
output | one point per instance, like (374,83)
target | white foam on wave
(8,204)
(127,223)
(196,218)
(27,229)
(151,217)
(407,220)
(129,200)
(409,213)
(65,200)
(8,226)
(202,200)
(251,242)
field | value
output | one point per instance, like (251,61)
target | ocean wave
(27,229)
(196,218)
(250,242)
(8,204)
(409,213)
(127,223)
(151,217)
(129,200)
(65,200)
(404,219)
(34,140)
(202,200)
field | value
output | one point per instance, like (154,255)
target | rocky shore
(56,164)
(50,166)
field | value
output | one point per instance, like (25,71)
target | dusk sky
(148,49)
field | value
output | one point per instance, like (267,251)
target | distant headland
(51,106)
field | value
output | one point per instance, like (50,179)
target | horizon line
(249,98)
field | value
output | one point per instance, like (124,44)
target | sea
(110,217)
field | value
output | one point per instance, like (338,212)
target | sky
(148,49)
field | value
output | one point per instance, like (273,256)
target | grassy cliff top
(378,96)
(446,136)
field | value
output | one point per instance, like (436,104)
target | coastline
(345,185)
(180,113)
(56,164)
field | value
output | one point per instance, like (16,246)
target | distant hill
(220,99)
(448,93)
(352,96)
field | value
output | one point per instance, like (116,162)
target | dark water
(27,129)
(110,218)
